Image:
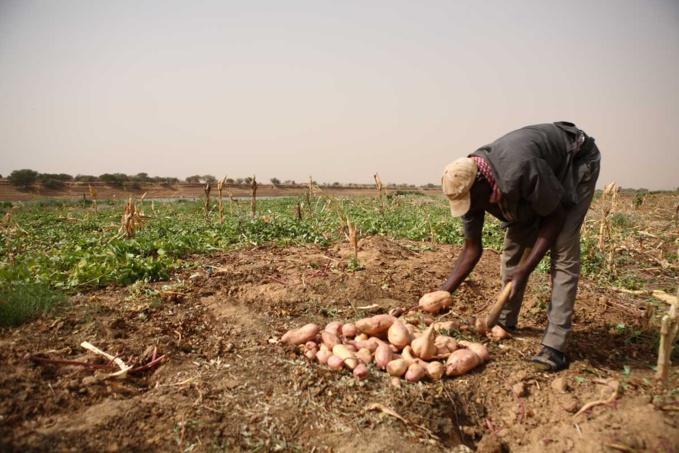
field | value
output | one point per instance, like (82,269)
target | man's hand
(519,278)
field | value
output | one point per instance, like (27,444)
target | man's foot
(549,359)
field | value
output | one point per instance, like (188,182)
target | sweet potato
(423,346)
(335,363)
(415,372)
(333,327)
(435,370)
(435,301)
(301,335)
(444,341)
(322,356)
(397,367)
(364,355)
(330,339)
(361,371)
(398,334)
(342,351)
(374,325)
(383,355)
(448,326)
(478,348)
(498,333)
(462,361)
(349,330)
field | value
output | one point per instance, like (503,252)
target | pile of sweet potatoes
(388,343)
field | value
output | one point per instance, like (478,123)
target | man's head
(457,180)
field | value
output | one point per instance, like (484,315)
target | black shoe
(549,359)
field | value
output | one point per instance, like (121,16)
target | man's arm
(549,230)
(470,256)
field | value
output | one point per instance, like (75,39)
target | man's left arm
(549,230)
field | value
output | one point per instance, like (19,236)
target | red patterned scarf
(487,173)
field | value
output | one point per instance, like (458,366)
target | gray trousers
(565,263)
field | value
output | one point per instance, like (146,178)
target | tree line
(27,178)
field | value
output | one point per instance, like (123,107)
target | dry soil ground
(227,384)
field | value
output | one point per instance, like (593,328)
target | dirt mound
(228,385)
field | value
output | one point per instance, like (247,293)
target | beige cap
(456,182)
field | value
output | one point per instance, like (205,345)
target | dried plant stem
(669,328)
(207,190)
(220,187)
(93,192)
(309,194)
(253,186)
(380,188)
(353,237)
(131,220)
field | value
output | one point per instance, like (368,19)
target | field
(197,306)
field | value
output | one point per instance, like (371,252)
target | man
(539,180)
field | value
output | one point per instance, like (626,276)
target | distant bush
(23,178)
(114,179)
(85,178)
(51,183)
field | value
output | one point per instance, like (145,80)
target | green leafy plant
(22,301)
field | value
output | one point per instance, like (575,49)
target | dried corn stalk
(353,237)
(669,328)
(220,187)
(253,186)
(610,191)
(131,221)
(380,188)
(230,203)
(140,208)
(340,214)
(309,193)
(207,190)
(94,194)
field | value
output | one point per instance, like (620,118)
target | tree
(114,179)
(195,179)
(275,181)
(23,178)
(51,181)
(209,179)
(141,177)
(85,178)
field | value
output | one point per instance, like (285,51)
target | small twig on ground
(124,368)
(491,428)
(613,385)
(284,283)
(518,400)
(151,364)
(67,362)
(386,410)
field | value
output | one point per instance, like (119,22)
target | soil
(226,383)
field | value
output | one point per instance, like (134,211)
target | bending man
(539,180)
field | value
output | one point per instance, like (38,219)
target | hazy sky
(337,90)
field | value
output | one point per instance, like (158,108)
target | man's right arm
(470,256)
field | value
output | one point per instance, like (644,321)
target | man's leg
(565,265)
(517,239)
